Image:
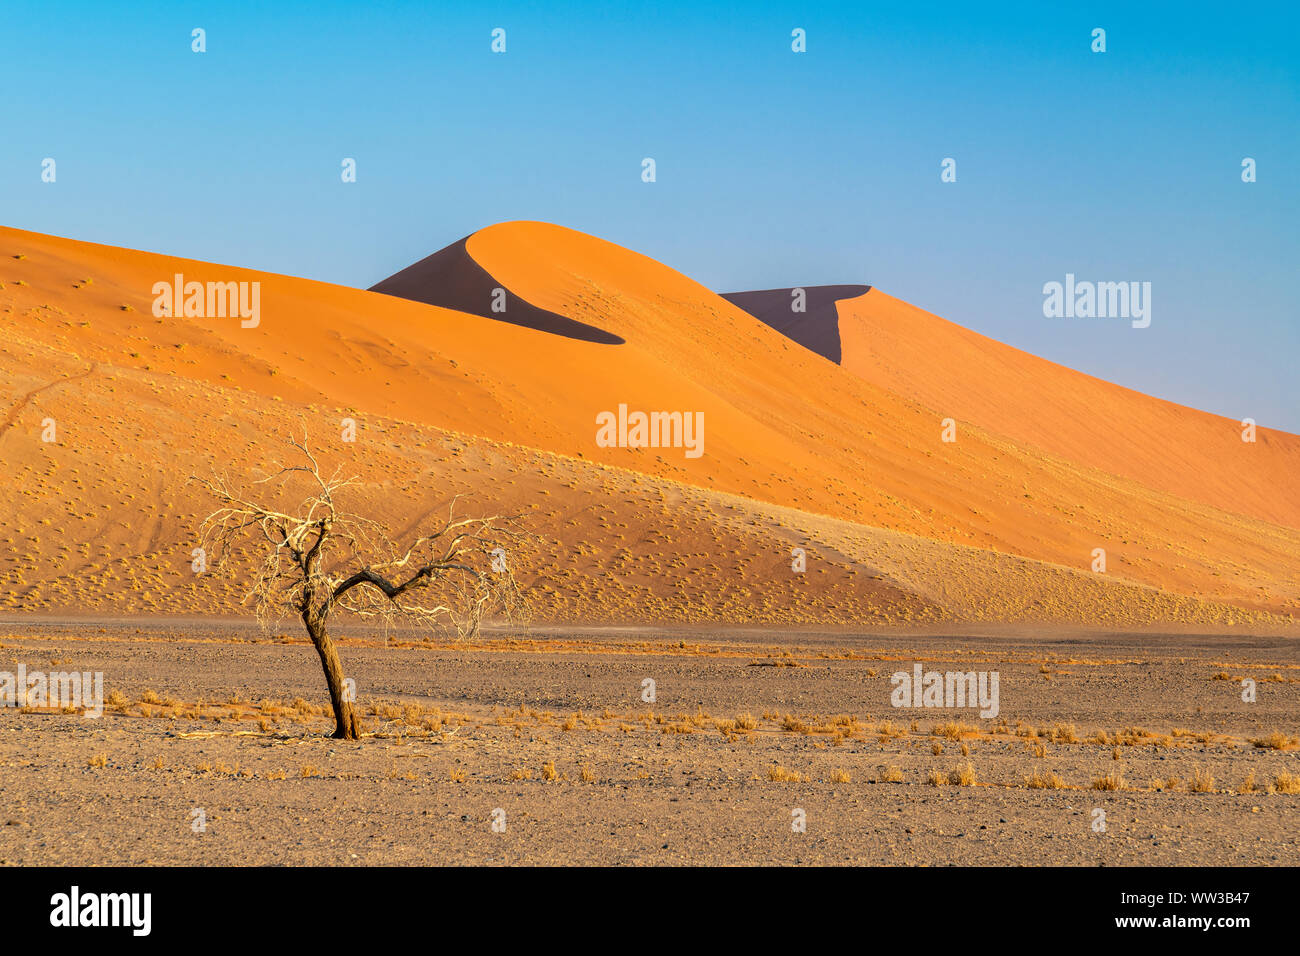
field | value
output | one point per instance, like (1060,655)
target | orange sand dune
(447,399)
(975,379)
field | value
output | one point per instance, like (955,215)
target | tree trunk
(345,715)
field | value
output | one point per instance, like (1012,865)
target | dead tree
(320,558)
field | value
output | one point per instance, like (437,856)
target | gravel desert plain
(702,665)
(550,734)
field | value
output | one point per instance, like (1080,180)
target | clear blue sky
(774,168)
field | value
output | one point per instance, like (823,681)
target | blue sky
(774,168)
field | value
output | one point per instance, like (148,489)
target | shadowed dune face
(816,327)
(451,279)
(800,453)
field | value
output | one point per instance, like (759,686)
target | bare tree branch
(318,557)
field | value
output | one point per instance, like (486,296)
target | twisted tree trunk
(347,726)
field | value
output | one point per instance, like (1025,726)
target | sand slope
(799,451)
(1165,446)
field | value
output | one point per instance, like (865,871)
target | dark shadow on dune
(817,328)
(452,279)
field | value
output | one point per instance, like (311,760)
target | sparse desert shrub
(963,775)
(778,774)
(1286,783)
(521,773)
(548,770)
(1039,780)
(1275,741)
(1201,781)
(954,730)
(1111,781)
(937,778)
(746,722)
(1248,785)
(841,776)
(99,760)
(891,774)
(1065,734)
(585,774)
(457,776)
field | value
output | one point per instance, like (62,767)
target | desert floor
(747,727)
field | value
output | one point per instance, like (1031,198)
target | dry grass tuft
(1286,783)
(963,775)
(1065,734)
(793,725)
(1111,781)
(1044,781)
(778,774)
(955,730)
